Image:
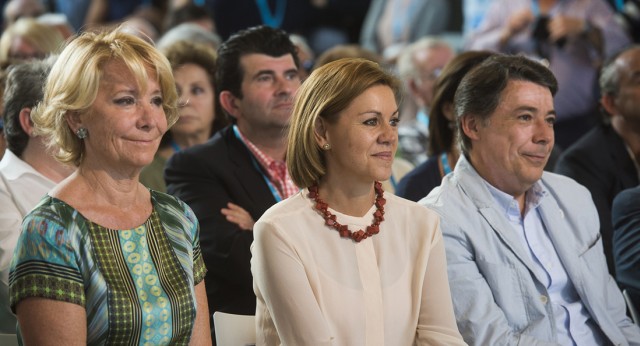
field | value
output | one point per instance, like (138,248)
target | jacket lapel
(473,186)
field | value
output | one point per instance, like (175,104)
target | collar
(12,167)
(509,205)
(265,160)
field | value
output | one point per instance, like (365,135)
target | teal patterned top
(136,285)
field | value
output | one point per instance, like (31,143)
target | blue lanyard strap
(274,192)
(535,8)
(445,163)
(175,146)
(272,20)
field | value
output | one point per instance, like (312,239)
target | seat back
(8,340)
(632,305)
(234,330)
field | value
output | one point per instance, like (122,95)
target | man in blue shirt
(525,263)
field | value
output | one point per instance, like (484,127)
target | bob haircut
(329,90)
(74,80)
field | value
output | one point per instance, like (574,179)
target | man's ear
(25,121)
(470,126)
(229,103)
(608,102)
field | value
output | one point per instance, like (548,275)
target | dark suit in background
(600,161)
(625,215)
(207,177)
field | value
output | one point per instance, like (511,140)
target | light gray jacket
(497,298)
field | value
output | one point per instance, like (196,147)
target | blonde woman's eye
(125,101)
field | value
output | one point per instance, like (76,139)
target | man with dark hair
(231,180)
(525,263)
(605,159)
(27,171)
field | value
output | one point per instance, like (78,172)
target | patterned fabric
(276,170)
(137,285)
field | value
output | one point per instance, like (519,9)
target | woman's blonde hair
(44,38)
(74,80)
(328,91)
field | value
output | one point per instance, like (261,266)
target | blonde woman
(114,262)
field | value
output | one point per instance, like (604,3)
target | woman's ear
(74,120)
(320,132)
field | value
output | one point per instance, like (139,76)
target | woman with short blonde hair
(115,262)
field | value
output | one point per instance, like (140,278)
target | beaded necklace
(330,219)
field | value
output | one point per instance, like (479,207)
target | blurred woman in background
(194,67)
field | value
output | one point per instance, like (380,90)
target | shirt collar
(509,205)
(12,167)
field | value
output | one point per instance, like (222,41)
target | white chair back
(234,330)
(8,340)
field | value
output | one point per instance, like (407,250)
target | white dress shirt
(21,188)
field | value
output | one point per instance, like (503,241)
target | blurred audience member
(629,18)
(291,16)
(113,12)
(233,178)
(322,240)
(572,36)
(190,13)
(188,32)
(74,10)
(28,39)
(392,24)
(28,169)
(115,263)
(306,56)
(605,160)
(625,215)
(400,166)
(346,51)
(443,148)
(59,22)
(474,12)
(419,65)
(16,9)
(524,252)
(194,68)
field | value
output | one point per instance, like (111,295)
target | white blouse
(315,288)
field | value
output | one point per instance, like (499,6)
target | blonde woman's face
(124,124)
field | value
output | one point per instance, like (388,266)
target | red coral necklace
(343,230)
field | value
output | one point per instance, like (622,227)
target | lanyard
(272,20)
(445,163)
(274,192)
(175,146)
(393,182)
